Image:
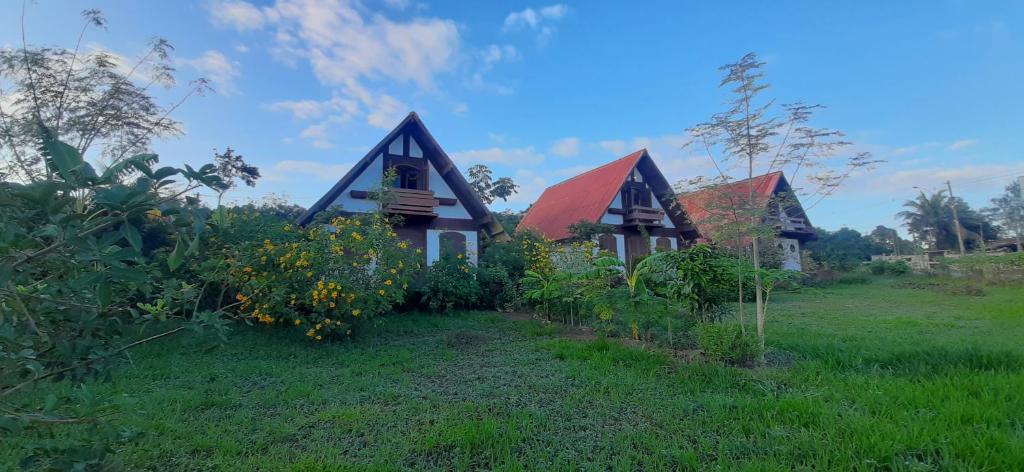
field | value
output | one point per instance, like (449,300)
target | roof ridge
(729,184)
(602,166)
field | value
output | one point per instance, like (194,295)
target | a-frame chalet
(440,210)
(707,208)
(630,194)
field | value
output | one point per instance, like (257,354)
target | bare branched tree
(751,136)
(90,99)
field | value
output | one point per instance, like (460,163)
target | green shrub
(897,268)
(497,288)
(883,267)
(451,282)
(726,343)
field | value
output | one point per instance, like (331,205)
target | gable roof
(441,162)
(703,205)
(587,197)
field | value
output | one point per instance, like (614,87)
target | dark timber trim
(438,158)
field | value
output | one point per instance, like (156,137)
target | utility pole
(956,219)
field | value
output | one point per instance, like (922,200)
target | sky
(542,91)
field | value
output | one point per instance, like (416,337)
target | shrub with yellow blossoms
(326,280)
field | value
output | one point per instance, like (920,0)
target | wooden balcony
(643,216)
(413,202)
(792,225)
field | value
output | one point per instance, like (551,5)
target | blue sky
(541,91)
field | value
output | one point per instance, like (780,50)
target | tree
(77,286)
(86,99)
(488,189)
(930,218)
(1008,211)
(751,135)
(843,249)
(889,239)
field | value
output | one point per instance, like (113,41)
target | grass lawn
(880,378)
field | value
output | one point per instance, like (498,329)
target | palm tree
(929,218)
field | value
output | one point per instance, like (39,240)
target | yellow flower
(298,322)
(309,275)
(381,292)
(387,282)
(356,312)
(394,271)
(318,338)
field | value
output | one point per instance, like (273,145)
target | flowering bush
(325,280)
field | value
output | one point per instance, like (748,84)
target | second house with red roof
(633,197)
(630,194)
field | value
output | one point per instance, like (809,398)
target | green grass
(879,378)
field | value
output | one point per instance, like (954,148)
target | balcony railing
(643,216)
(413,202)
(792,224)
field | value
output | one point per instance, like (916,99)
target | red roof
(584,197)
(702,205)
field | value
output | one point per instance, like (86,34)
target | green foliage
(79,287)
(882,267)
(726,343)
(584,230)
(489,190)
(701,278)
(930,218)
(990,267)
(451,282)
(843,250)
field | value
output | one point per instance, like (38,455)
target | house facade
(630,194)
(709,209)
(440,211)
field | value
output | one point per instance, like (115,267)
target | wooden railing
(792,224)
(644,216)
(413,202)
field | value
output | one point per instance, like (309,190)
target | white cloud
(494,54)
(929,178)
(386,113)
(220,70)
(241,48)
(237,14)
(511,156)
(460,109)
(287,169)
(616,147)
(345,46)
(566,147)
(307,109)
(962,144)
(530,18)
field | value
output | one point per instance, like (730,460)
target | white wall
(609,218)
(368,180)
(442,190)
(790,253)
(434,245)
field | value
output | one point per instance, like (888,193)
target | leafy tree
(232,168)
(79,284)
(843,249)
(1008,210)
(488,189)
(930,218)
